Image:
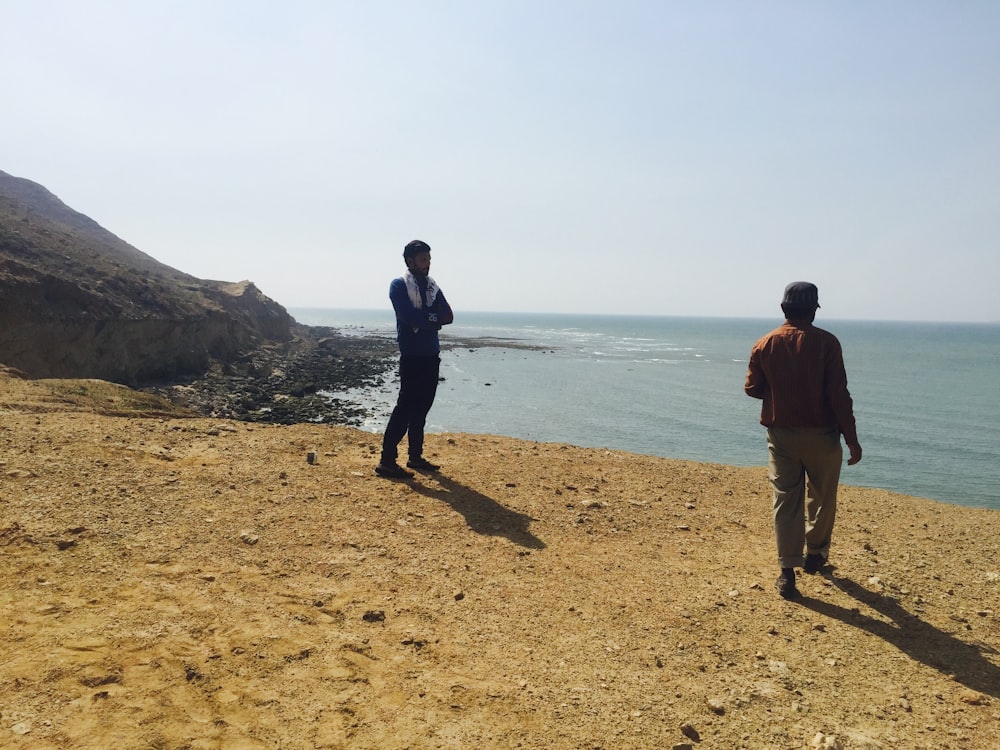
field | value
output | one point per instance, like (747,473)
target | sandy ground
(171,582)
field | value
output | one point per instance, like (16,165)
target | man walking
(798,371)
(421,310)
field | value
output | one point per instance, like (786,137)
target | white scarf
(413,290)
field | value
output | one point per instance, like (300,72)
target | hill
(181,582)
(77,301)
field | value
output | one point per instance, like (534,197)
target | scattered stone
(716,706)
(825,742)
(248,537)
(192,675)
(373,615)
(974,698)
(688,730)
(779,668)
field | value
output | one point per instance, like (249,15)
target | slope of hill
(174,582)
(77,301)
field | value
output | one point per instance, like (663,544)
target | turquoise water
(926,395)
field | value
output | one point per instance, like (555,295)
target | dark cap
(415,247)
(801,294)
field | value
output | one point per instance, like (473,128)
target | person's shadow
(483,514)
(964,662)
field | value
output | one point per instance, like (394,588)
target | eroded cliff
(77,301)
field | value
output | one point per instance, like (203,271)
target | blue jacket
(417,328)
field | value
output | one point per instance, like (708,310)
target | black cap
(414,247)
(801,294)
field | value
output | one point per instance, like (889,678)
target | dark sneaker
(786,584)
(814,563)
(422,463)
(392,471)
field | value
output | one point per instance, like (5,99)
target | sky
(577,156)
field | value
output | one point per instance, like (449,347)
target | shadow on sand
(483,514)
(962,661)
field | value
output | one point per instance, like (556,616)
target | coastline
(290,382)
(673,387)
(176,579)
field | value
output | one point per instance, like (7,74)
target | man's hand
(855,454)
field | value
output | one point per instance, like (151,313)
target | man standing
(798,371)
(421,310)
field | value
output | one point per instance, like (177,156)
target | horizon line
(778,316)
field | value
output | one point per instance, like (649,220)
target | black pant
(418,380)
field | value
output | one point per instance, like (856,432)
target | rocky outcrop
(77,301)
(319,376)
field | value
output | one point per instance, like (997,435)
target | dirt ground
(173,582)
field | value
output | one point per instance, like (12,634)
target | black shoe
(393,471)
(422,463)
(786,584)
(814,563)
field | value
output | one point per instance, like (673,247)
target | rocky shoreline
(292,382)
(283,383)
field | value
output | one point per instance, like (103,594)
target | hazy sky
(621,156)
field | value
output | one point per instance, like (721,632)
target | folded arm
(414,317)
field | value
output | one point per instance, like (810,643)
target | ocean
(926,395)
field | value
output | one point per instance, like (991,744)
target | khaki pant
(804,469)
